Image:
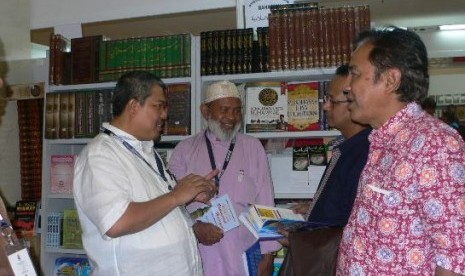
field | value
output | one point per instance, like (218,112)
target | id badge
(17,253)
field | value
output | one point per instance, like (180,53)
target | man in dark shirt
(336,192)
(334,198)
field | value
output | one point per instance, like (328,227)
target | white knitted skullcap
(221,89)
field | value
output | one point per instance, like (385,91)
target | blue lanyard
(212,157)
(160,171)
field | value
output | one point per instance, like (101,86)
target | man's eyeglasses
(327,99)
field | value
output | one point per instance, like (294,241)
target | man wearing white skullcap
(244,175)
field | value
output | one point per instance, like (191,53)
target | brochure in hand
(221,213)
(265,221)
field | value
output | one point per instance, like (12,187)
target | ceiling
(408,13)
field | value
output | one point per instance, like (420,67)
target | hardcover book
(265,221)
(71,230)
(63,124)
(303,106)
(60,59)
(179,112)
(266,107)
(85,59)
(52,115)
(25,218)
(80,118)
(61,174)
(251,258)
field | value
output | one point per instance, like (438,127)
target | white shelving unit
(317,74)
(57,203)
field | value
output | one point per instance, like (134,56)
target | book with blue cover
(264,222)
(252,258)
(72,266)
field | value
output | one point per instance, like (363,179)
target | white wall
(86,11)
(14,49)
(447,84)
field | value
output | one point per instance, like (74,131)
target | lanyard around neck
(212,157)
(160,172)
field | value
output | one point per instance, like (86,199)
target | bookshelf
(53,203)
(314,74)
(57,203)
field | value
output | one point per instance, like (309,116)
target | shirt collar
(354,140)
(214,140)
(141,146)
(391,128)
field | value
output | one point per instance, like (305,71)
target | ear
(204,110)
(393,78)
(133,106)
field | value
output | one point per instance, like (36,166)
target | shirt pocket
(245,191)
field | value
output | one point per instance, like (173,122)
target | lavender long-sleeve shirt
(246,180)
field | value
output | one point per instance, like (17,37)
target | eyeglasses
(327,99)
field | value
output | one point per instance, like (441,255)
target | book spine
(292,39)
(248,50)
(71,114)
(228,52)
(332,24)
(279,41)
(203,54)
(273,46)
(337,37)
(317,44)
(351,27)
(49,127)
(80,114)
(297,19)
(52,54)
(324,34)
(285,36)
(63,119)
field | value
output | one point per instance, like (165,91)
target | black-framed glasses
(327,99)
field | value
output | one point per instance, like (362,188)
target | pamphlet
(221,213)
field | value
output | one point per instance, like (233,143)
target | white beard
(223,135)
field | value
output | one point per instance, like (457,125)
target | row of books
(165,56)
(64,230)
(227,52)
(285,106)
(80,113)
(298,37)
(30,147)
(76,114)
(96,59)
(314,37)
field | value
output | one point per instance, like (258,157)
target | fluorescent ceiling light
(452,27)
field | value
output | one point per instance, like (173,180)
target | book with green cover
(71,230)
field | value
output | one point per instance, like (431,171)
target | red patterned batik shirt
(409,214)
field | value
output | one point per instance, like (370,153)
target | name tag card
(17,253)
